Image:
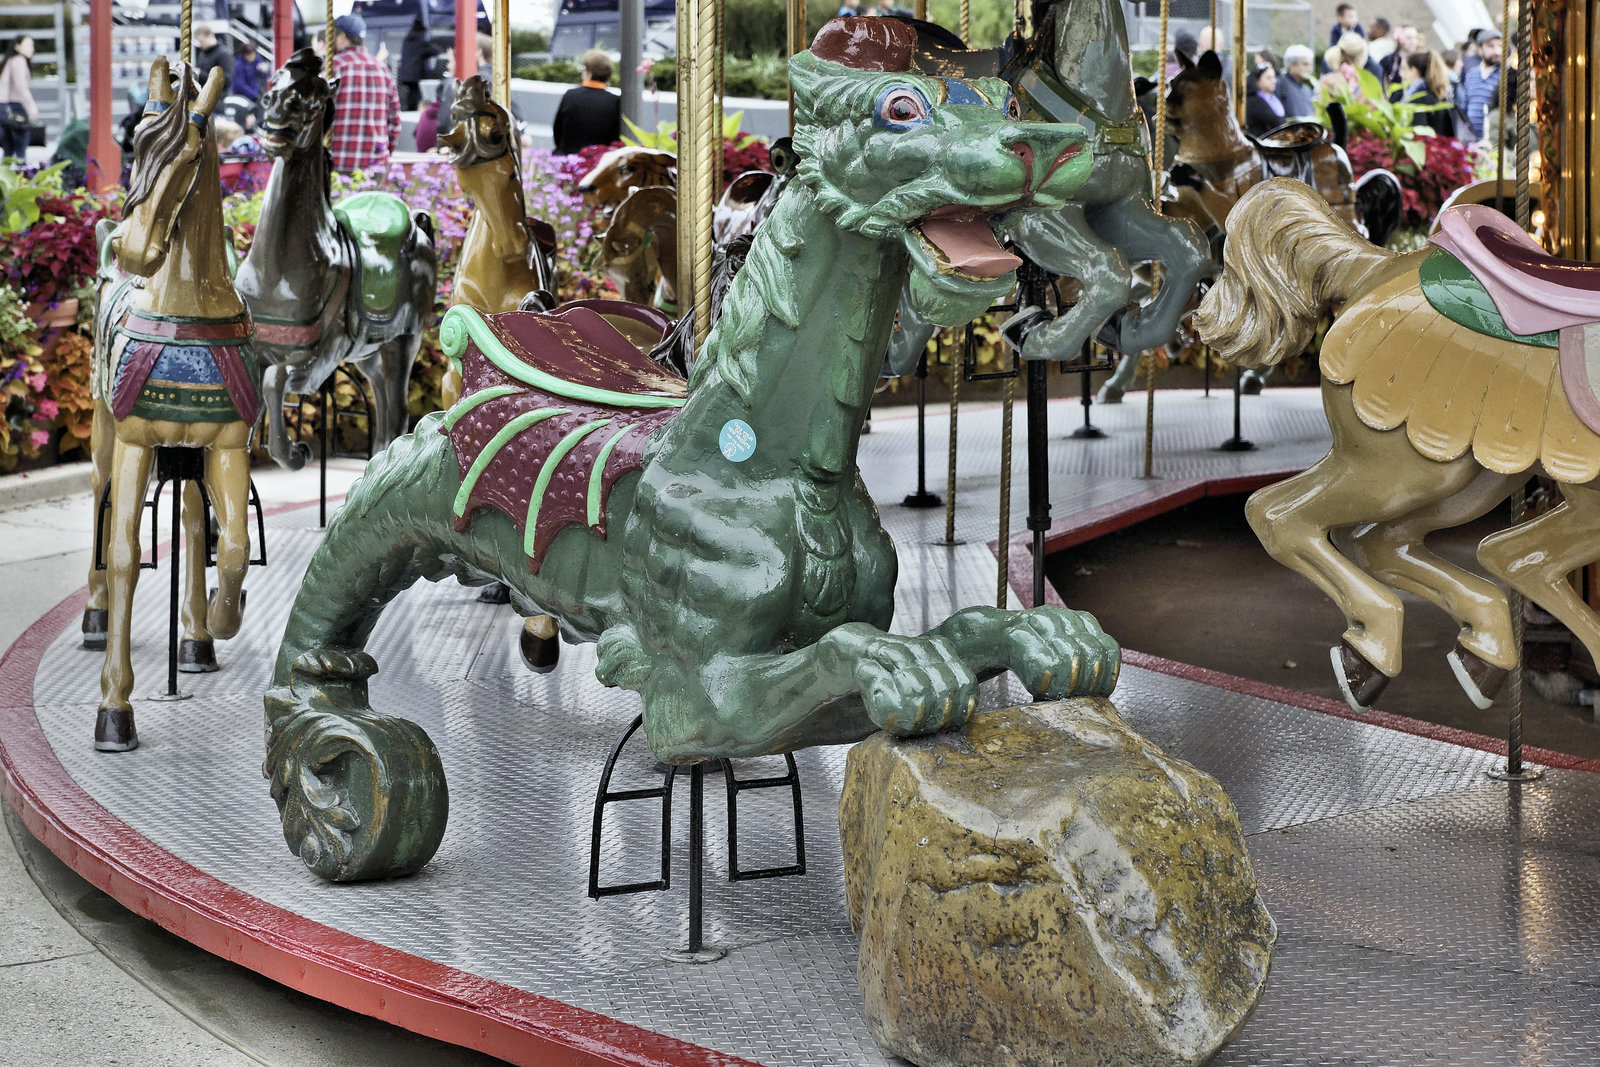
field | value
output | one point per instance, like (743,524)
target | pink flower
(37,382)
(40,438)
(49,408)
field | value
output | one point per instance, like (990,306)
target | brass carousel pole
(699,152)
(966,22)
(1514,770)
(502,53)
(1238,55)
(1502,106)
(920,9)
(186,33)
(327,40)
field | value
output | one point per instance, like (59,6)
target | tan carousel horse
(173,368)
(1451,375)
(622,170)
(506,257)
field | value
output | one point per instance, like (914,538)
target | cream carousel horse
(1452,375)
(173,368)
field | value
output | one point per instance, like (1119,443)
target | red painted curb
(399,988)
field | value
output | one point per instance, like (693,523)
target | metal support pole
(1088,431)
(950,470)
(327,39)
(1515,770)
(632,29)
(922,498)
(1236,443)
(798,42)
(1038,469)
(327,438)
(1003,556)
(105,158)
(697,855)
(176,563)
(502,53)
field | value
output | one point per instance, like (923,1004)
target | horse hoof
(495,593)
(224,625)
(1250,385)
(196,656)
(1480,680)
(1359,681)
(114,732)
(539,644)
(1108,394)
(94,629)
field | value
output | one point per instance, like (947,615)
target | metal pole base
(922,499)
(1236,444)
(163,698)
(947,544)
(704,954)
(1527,774)
(1088,433)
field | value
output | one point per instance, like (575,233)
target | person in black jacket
(588,114)
(210,52)
(1424,82)
(417,52)
(1263,110)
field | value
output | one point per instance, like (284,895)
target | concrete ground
(83,981)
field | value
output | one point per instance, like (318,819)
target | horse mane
(159,138)
(1288,257)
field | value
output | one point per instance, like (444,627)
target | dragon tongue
(963,236)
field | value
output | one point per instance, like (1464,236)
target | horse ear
(1183,60)
(211,94)
(160,81)
(1143,85)
(1211,67)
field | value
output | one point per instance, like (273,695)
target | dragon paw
(915,685)
(1058,652)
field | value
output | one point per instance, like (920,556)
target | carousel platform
(1427,913)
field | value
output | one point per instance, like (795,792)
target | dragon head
(895,153)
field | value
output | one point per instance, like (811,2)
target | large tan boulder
(1045,886)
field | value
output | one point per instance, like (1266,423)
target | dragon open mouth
(962,242)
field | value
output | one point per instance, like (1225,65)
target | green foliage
(1146,63)
(19,195)
(529,41)
(557,70)
(22,382)
(665,136)
(1371,110)
(991,20)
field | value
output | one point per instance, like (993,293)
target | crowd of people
(1454,90)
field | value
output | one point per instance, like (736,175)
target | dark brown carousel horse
(1216,162)
(330,284)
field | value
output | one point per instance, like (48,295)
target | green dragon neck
(801,340)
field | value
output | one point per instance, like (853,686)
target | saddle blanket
(182,370)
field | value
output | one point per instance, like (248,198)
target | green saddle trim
(380,225)
(462,323)
(1461,298)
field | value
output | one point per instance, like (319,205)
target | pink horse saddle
(554,409)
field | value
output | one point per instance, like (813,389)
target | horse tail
(1288,258)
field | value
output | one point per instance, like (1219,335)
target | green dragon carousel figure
(713,536)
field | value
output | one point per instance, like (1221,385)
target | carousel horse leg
(1395,553)
(1293,518)
(1535,557)
(102,444)
(1063,243)
(228,483)
(290,455)
(130,480)
(1133,226)
(196,651)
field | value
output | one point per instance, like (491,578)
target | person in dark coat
(1263,110)
(250,72)
(210,52)
(1423,82)
(588,114)
(417,53)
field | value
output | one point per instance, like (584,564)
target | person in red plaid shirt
(366,107)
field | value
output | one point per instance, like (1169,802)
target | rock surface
(1045,886)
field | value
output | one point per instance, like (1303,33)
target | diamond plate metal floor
(1427,914)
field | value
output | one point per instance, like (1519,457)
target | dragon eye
(901,107)
(1013,108)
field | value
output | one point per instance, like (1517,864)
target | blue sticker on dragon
(737,440)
